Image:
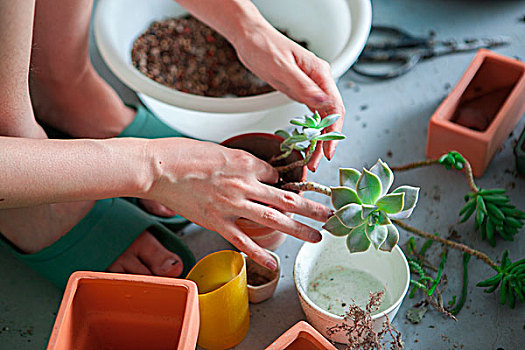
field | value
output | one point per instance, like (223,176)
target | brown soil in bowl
(258,275)
(187,55)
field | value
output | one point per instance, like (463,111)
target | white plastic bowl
(391,269)
(336,30)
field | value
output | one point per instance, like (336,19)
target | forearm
(36,172)
(234,19)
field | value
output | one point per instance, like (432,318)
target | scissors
(408,50)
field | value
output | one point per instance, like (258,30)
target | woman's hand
(213,186)
(296,72)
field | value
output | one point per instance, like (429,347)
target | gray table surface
(393,126)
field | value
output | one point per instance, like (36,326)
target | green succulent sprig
(305,138)
(452,160)
(493,214)
(364,208)
(510,277)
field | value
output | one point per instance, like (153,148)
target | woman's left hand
(296,72)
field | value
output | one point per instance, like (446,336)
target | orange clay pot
(481,111)
(301,336)
(118,311)
(265,146)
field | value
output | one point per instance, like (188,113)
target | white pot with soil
(335,30)
(329,279)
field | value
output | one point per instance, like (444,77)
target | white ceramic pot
(336,30)
(390,269)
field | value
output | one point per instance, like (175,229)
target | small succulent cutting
(367,214)
(305,138)
(364,207)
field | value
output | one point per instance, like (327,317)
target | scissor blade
(469,45)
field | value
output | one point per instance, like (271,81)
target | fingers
(241,241)
(316,157)
(247,162)
(276,220)
(299,87)
(292,203)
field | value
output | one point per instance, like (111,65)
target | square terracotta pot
(519,153)
(481,111)
(119,311)
(301,336)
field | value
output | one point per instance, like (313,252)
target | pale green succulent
(364,208)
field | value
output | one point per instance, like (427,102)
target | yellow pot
(223,299)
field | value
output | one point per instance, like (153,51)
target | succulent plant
(311,131)
(511,276)
(364,207)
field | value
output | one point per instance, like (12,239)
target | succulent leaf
(295,139)
(357,241)
(367,210)
(385,175)
(391,203)
(391,239)
(350,215)
(377,234)
(342,196)
(310,121)
(299,122)
(409,201)
(382,218)
(311,133)
(335,227)
(283,133)
(348,177)
(328,120)
(317,118)
(368,187)
(330,136)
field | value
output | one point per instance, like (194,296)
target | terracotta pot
(223,299)
(301,336)
(265,146)
(261,280)
(519,153)
(481,111)
(119,311)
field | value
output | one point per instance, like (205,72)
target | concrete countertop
(385,119)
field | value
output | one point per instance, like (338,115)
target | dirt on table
(187,55)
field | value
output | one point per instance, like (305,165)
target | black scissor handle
(408,61)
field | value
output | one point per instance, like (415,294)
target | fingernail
(271,264)
(315,236)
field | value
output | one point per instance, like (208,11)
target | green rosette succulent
(364,208)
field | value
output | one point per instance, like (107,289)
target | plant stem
(459,246)
(299,163)
(470,177)
(468,170)
(280,156)
(308,186)
(415,165)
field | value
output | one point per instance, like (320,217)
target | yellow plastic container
(223,299)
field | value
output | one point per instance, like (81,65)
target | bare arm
(204,182)
(285,65)
(37,172)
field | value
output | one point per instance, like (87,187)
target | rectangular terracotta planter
(519,153)
(301,336)
(118,311)
(481,111)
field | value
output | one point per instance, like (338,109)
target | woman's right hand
(213,186)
